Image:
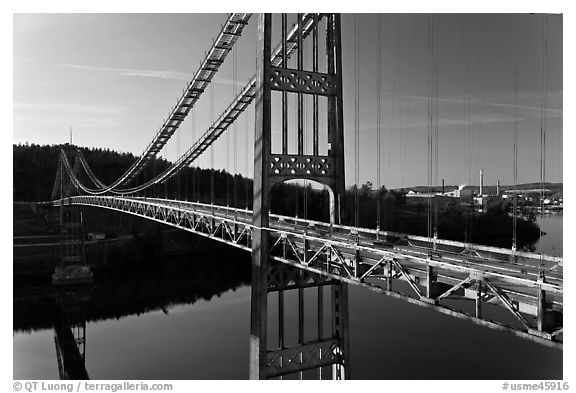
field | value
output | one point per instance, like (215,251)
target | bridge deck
(431,273)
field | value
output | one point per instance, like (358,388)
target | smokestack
(481,182)
(498,188)
(442,186)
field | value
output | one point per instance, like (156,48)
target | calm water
(188,318)
(551,243)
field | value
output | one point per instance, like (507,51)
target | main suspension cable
(230,32)
(241,102)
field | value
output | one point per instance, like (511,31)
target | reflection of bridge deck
(436,273)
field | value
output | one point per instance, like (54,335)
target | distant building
(480,203)
(442,201)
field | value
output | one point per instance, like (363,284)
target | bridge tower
(73,268)
(274,167)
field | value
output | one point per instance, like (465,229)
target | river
(188,318)
(552,242)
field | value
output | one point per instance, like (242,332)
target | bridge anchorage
(508,290)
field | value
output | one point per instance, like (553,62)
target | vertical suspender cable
(543,110)
(515,194)
(300,95)
(378,126)
(467,157)
(305,122)
(212,147)
(315,99)
(284,92)
(435,123)
(393,117)
(195,181)
(186,174)
(165,154)
(304,139)
(227,170)
(246,183)
(483,44)
(407,117)
(429,154)
(356,121)
(177,156)
(235,141)
(299,105)
(301,152)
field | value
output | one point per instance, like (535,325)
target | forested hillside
(35,169)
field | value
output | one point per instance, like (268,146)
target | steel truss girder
(326,261)
(531,335)
(334,257)
(124,204)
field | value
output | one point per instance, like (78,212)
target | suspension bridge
(504,289)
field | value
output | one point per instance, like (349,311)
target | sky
(113,79)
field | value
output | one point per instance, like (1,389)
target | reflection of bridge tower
(70,333)
(318,344)
(72,268)
(271,168)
